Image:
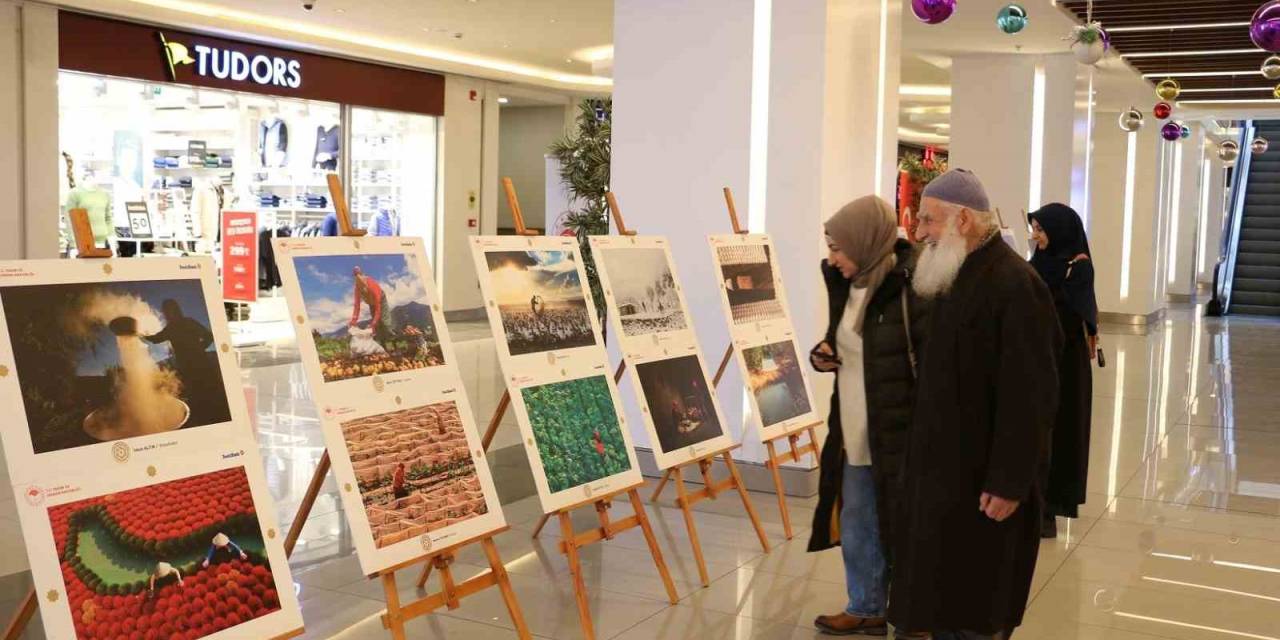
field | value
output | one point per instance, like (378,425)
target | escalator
(1255,283)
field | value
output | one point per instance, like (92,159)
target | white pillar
(1212,208)
(1012,124)
(1184,205)
(796,123)
(28,130)
(1124,220)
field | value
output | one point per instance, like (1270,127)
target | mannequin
(97,202)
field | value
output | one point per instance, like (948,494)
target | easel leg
(687,510)
(777,487)
(395,619)
(653,545)
(504,584)
(426,573)
(308,501)
(21,617)
(542,522)
(662,484)
(575,569)
(746,501)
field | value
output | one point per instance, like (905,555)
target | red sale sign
(240,256)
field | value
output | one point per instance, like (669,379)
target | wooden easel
(795,450)
(572,541)
(85,249)
(398,614)
(711,488)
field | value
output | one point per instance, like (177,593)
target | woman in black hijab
(1063,261)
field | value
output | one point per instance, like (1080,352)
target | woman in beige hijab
(876,329)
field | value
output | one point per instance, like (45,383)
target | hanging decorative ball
(1186,132)
(1264,28)
(1089,43)
(1259,146)
(1228,151)
(1271,68)
(933,11)
(1168,89)
(1012,18)
(1171,131)
(1131,120)
(1162,110)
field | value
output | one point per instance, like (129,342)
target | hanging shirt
(852,385)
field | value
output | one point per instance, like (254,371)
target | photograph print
(414,470)
(369,314)
(98,362)
(679,402)
(748,276)
(644,290)
(577,431)
(540,300)
(178,559)
(776,382)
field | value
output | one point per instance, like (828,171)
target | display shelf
(295,209)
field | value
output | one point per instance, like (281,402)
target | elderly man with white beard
(969,530)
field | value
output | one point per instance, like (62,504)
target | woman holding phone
(875,331)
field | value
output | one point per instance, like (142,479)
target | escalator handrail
(1235,215)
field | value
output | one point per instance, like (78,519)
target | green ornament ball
(1012,18)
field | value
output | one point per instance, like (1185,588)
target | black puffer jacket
(890,384)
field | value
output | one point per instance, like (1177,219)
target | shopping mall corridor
(1178,540)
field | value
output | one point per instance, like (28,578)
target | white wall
(1183,211)
(524,136)
(1212,210)
(28,130)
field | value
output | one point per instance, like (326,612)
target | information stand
(711,487)
(571,541)
(398,614)
(795,451)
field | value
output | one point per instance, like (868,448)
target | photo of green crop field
(577,431)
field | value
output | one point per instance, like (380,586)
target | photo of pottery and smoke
(576,429)
(644,290)
(369,315)
(776,381)
(747,271)
(99,362)
(679,403)
(179,559)
(415,471)
(540,300)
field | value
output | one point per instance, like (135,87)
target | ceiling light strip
(1267,89)
(311,31)
(1231,101)
(1176,27)
(1203,74)
(1184,54)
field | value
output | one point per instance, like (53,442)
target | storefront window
(393,171)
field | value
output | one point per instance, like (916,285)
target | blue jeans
(865,572)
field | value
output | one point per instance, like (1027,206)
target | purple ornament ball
(1171,131)
(933,11)
(1264,28)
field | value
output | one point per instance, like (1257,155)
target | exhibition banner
(396,421)
(651,320)
(240,256)
(556,368)
(133,459)
(764,339)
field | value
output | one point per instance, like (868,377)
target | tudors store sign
(93,44)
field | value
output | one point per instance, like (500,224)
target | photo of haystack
(415,471)
(99,362)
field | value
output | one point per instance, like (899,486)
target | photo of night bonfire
(414,470)
(178,559)
(111,361)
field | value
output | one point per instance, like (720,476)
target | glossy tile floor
(1180,538)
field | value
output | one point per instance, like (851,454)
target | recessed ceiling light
(568,59)
(342,10)
(553,21)
(502,100)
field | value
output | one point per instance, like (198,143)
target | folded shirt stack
(268,200)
